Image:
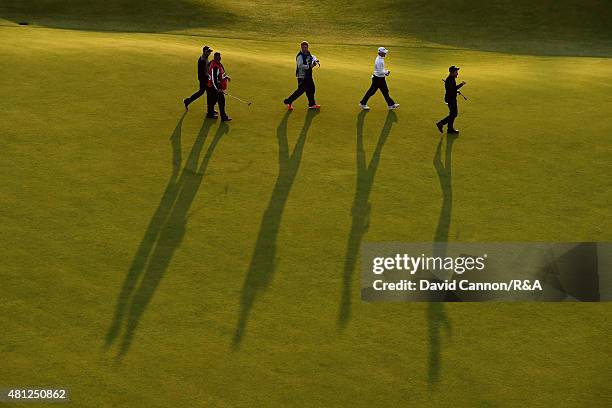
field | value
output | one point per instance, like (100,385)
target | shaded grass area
(132,230)
(562,27)
(118,15)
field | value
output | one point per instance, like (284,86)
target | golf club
(459,92)
(238,99)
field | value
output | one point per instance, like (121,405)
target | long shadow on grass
(262,266)
(360,210)
(163,236)
(444,171)
(436,314)
(150,237)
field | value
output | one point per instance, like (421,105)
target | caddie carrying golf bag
(217,77)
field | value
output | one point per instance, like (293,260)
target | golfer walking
(379,82)
(217,80)
(203,79)
(305,62)
(450,97)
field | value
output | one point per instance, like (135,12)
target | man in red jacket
(217,80)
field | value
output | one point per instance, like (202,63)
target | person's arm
(225,76)
(314,61)
(380,67)
(451,86)
(201,70)
(215,78)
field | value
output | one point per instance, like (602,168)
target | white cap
(383,49)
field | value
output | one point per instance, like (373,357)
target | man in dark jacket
(211,96)
(305,62)
(450,97)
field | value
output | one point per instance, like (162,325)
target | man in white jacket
(379,82)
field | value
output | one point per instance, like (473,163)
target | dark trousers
(304,85)
(378,83)
(452,114)
(211,97)
(219,97)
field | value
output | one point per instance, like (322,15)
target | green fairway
(153,258)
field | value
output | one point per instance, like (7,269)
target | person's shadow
(444,171)
(360,210)
(436,316)
(163,236)
(263,262)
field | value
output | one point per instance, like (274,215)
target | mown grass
(151,258)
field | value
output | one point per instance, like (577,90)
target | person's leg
(196,95)
(369,92)
(214,98)
(298,92)
(446,119)
(221,101)
(309,86)
(385,91)
(450,118)
(211,99)
(453,111)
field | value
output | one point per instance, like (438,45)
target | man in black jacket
(450,97)
(211,95)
